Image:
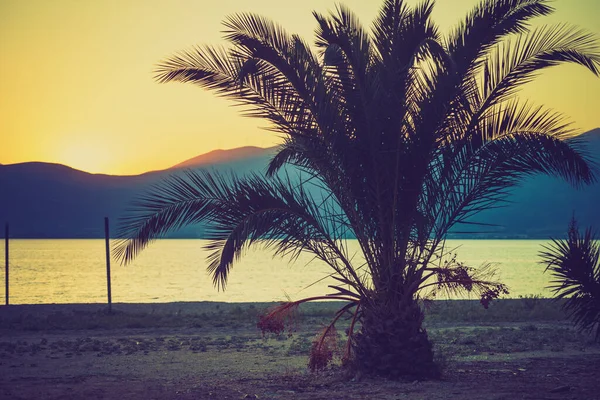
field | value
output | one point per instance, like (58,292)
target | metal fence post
(106,236)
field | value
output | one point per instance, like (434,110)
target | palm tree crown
(401,134)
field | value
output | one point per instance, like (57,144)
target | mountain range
(43,200)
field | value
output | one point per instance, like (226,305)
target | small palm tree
(400,134)
(575,266)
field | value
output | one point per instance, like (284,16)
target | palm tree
(575,265)
(406,135)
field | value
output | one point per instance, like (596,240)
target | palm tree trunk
(392,341)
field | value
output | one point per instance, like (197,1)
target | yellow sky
(76,81)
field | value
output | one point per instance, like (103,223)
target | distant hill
(224,156)
(42,200)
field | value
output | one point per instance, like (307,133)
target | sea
(174,270)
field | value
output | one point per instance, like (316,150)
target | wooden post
(106,236)
(6,261)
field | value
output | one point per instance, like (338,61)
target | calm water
(73,271)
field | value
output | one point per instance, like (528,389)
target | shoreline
(207,305)
(78,316)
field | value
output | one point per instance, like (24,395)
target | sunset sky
(76,83)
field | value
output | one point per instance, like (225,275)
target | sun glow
(87,155)
(68,68)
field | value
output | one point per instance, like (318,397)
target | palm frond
(485,26)
(575,266)
(256,37)
(414,38)
(537,138)
(240,212)
(386,27)
(516,62)
(218,70)
(279,215)
(177,201)
(258,32)
(488,23)
(469,176)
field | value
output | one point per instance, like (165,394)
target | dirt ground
(235,362)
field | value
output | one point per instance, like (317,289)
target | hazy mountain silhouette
(42,200)
(224,156)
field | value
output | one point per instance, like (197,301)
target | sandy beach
(214,351)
